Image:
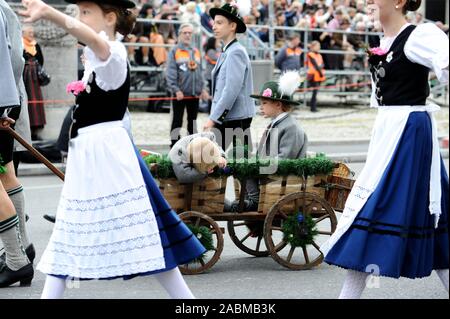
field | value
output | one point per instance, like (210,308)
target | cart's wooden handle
(6,122)
(332,185)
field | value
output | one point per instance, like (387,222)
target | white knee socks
(354,285)
(16,257)
(54,288)
(173,282)
(18,200)
(443,275)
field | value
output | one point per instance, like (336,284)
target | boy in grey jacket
(283,137)
(232,109)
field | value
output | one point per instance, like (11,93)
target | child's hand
(222,162)
(208,125)
(34,10)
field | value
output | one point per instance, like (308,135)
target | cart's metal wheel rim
(199,266)
(310,204)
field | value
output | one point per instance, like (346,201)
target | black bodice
(95,105)
(399,81)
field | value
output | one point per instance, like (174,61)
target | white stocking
(443,275)
(173,282)
(54,288)
(354,285)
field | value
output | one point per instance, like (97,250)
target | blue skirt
(394,235)
(179,243)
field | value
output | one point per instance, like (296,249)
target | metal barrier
(259,50)
(345,83)
(342,81)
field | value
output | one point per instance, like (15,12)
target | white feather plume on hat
(244,7)
(288,83)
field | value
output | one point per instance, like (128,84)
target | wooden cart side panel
(208,196)
(174,193)
(275,187)
(337,196)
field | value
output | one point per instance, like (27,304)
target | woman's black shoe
(9,277)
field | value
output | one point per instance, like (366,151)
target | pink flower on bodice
(377,51)
(75,87)
(267,93)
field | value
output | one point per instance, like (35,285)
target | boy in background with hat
(232,82)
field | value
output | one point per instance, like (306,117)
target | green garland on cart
(2,168)
(247,168)
(299,230)
(205,237)
(164,166)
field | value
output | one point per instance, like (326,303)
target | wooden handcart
(261,233)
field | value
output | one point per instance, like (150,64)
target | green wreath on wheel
(299,230)
(205,236)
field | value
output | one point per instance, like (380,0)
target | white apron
(105,225)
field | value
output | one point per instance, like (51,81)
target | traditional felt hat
(234,11)
(127,4)
(283,90)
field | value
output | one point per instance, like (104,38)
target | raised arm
(36,10)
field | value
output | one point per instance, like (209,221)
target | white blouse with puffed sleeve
(111,73)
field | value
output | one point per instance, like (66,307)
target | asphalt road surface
(236,274)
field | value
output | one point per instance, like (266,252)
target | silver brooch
(389,57)
(88,89)
(382,72)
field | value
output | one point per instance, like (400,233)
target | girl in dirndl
(33,56)
(395,221)
(112,221)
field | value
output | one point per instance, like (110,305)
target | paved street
(236,275)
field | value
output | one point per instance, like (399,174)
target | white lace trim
(135,219)
(100,203)
(106,249)
(361,192)
(102,271)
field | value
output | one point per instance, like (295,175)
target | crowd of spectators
(320,17)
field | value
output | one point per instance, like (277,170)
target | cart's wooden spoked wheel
(246,236)
(208,260)
(299,258)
